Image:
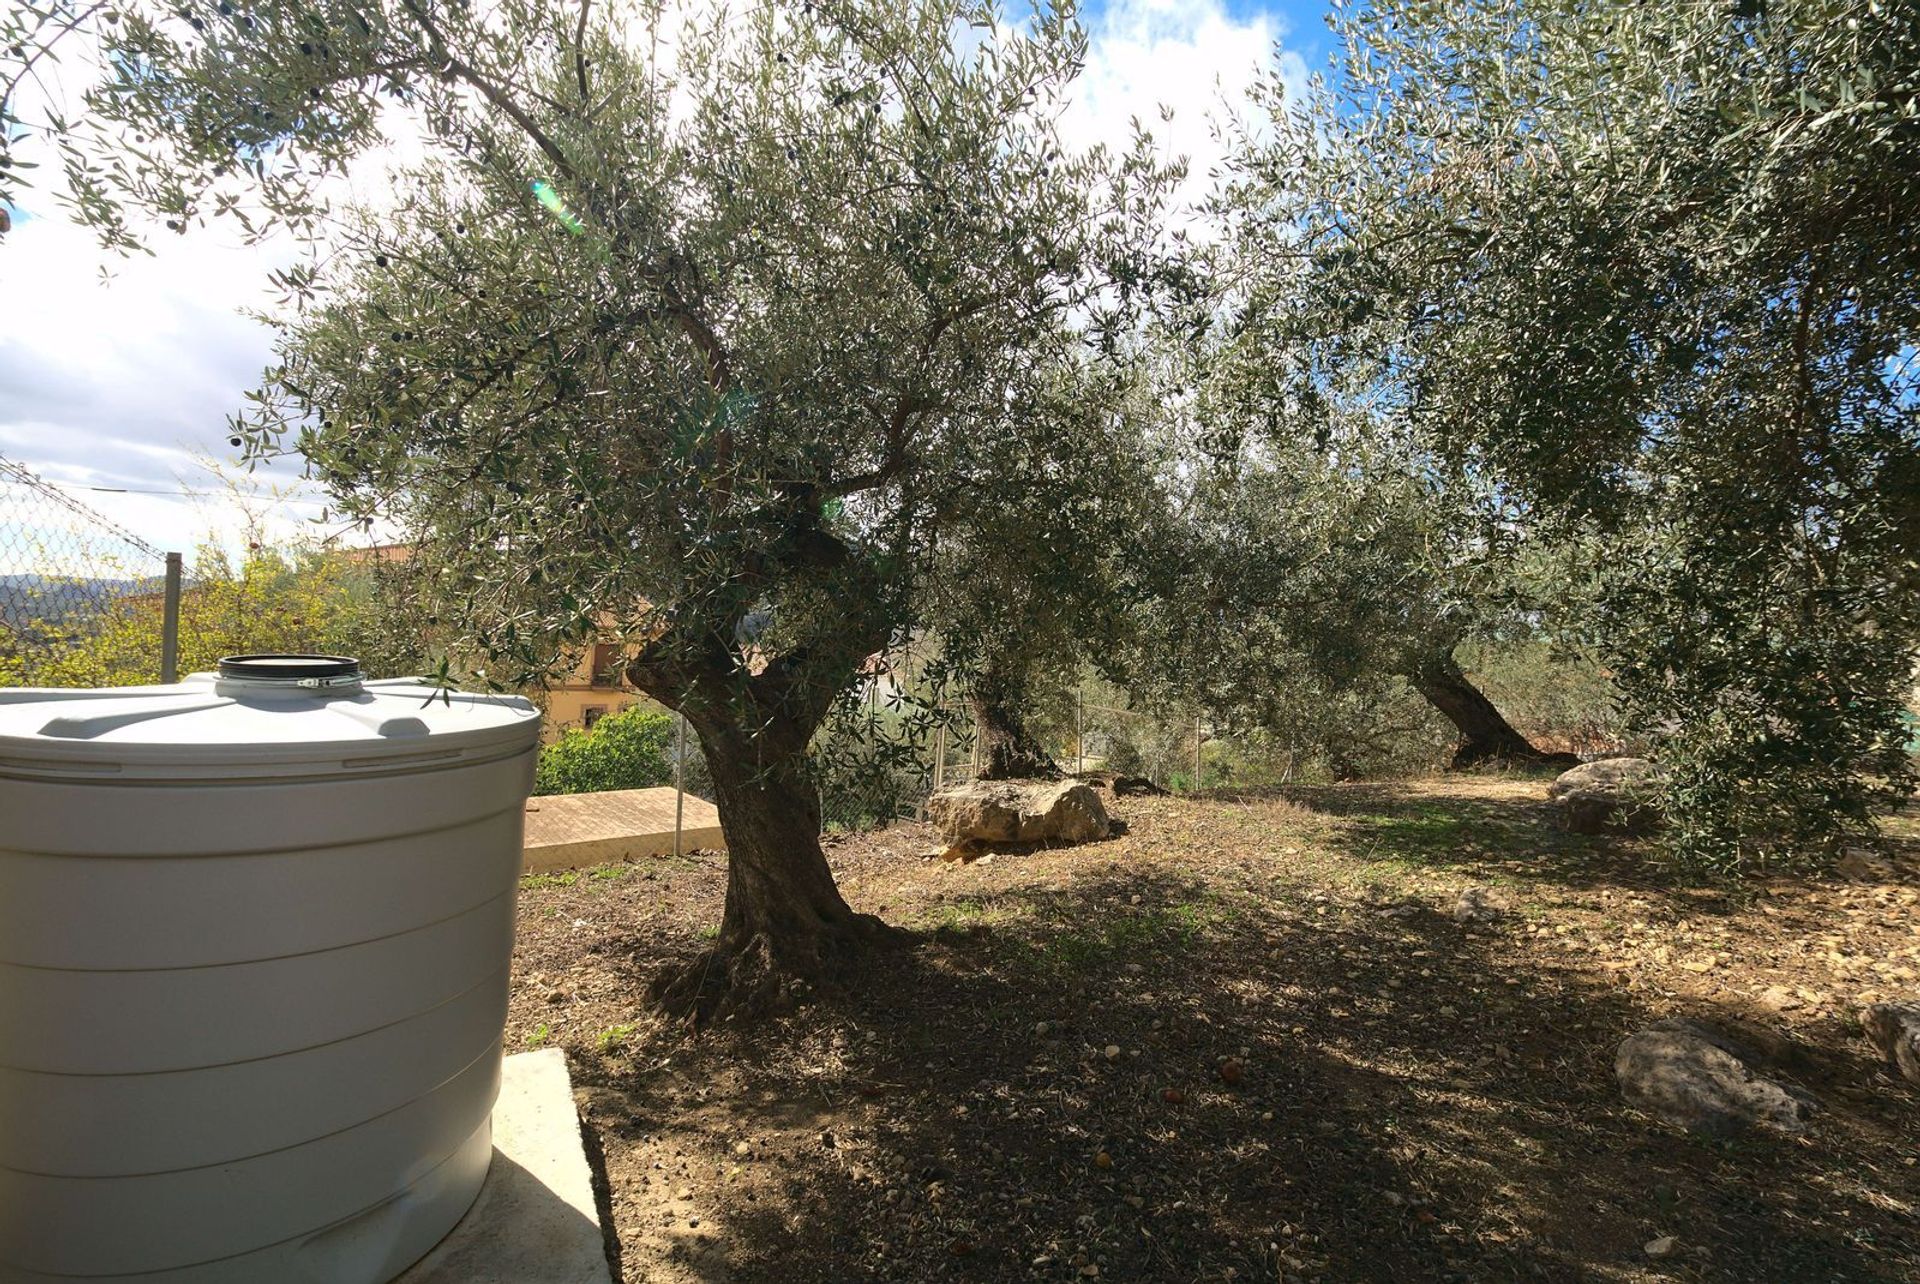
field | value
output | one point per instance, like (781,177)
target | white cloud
(1191,57)
(128,382)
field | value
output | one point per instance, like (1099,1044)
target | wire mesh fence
(1156,746)
(880,759)
(68,573)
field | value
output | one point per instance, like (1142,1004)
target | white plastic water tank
(255,931)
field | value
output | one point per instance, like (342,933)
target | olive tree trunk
(785,932)
(1007,749)
(1485,734)
(785,929)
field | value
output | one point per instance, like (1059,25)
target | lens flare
(544,193)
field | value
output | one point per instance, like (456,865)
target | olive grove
(1647,274)
(706,325)
(777,338)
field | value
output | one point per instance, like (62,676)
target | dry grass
(1418,1099)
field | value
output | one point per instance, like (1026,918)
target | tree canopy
(771,338)
(705,324)
(1651,271)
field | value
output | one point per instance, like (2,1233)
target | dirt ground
(1245,1041)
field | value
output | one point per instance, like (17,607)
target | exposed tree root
(1473,754)
(758,975)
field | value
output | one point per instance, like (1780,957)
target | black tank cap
(289,668)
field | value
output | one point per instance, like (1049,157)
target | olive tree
(1414,559)
(1033,594)
(701,328)
(1321,551)
(1653,270)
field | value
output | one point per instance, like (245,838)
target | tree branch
(492,93)
(43,49)
(580,53)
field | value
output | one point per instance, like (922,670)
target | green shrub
(632,749)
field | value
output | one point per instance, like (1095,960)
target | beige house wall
(596,687)
(569,707)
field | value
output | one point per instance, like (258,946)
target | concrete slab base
(573,831)
(535,1221)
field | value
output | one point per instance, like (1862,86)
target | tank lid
(292,715)
(289,668)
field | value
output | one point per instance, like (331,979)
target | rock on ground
(1862,865)
(1699,1079)
(1020,811)
(1895,1030)
(1612,794)
(1478,905)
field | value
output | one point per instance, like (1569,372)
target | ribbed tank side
(250,1031)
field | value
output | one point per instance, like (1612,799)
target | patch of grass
(615,1037)
(1428,831)
(612,873)
(711,932)
(539,1036)
(968,913)
(1390,869)
(599,875)
(1415,837)
(1133,937)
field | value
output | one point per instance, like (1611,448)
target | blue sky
(128,382)
(1299,12)
(1305,21)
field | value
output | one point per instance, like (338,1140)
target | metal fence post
(679,778)
(1079,734)
(170,623)
(1196,752)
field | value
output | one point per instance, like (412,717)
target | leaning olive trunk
(1486,735)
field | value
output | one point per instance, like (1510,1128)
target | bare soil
(1245,1041)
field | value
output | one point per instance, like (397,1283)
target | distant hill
(51,599)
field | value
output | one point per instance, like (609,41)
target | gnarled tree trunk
(1486,735)
(786,930)
(1008,751)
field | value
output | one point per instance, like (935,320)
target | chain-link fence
(879,759)
(69,574)
(1167,749)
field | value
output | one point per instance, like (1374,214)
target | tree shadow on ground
(1506,834)
(1416,1100)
